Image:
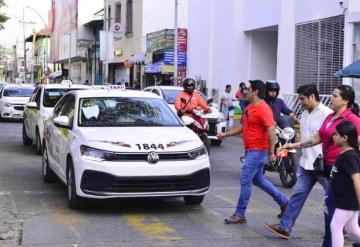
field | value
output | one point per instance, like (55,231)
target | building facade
(293,42)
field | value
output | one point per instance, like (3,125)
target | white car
(12,100)
(122,143)
(216,120)
(39,108)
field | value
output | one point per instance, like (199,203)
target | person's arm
(356,180)
(235,131)
(314,140)
(203,104)
(271,136)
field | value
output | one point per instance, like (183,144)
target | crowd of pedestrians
(330,155)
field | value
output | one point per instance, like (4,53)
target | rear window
(53,95)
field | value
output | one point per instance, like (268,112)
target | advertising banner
(169,58)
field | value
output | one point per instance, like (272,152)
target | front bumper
(13,112)
(140,179)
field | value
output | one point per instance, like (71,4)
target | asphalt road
(33,213)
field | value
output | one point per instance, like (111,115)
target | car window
(155,91)
(37,97)
(59,105)
(127,112)
(32,98)
(68,108)
(18,92)
(170,95)
(53,95)
(147,90)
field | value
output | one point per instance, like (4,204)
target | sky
(13,28)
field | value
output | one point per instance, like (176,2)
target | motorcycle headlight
(92,153)
(8,104)
(220,119)
(199,153)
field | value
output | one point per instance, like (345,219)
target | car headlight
(8,104)
(92,153)
(199,153)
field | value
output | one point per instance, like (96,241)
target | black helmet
(272,85)
(189,85)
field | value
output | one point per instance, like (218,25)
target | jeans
(306,179)
(328,214)
(252,172)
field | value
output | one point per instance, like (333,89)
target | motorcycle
(197,121)
(286,160)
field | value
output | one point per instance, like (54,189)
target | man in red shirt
(258,129)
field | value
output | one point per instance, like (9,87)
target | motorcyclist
(189,99)
(278,106)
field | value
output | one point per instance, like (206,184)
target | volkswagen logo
(152,158)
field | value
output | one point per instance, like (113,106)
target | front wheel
(287,171)
(74,200)
(194,200)
(26,140)
(47,173)
(38,143)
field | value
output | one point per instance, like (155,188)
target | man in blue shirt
(278,106)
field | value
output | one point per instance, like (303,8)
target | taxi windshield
(53,95)
(17,92)
(125,112)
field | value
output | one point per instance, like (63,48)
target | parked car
(40,107)
(122,143)
(216,120)
(12,100)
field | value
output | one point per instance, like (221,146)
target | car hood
(136,139)
(16,100)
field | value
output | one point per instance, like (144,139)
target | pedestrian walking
(344,107)
(258,130)
(345,178)
(241,96)
(311,120)
(226,102)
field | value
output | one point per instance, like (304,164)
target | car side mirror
(183,100)
(209,101)
(32,105)
(62,121)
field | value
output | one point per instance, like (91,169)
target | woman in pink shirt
(345,108)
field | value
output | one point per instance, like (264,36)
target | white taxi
(39,108)
(12,100)
(122,143)
(216,120)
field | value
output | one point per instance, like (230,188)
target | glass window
(32,98)
(170,95)
(60,104)
(69,108)
(53,95)
(129,16)
(125,112)
(18,92)
(118,12)
(155,91)
(356,56)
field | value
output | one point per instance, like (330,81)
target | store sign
(118,52)
(118,30)
(169,58)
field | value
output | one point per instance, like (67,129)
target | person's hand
(209,110)
(288,146)
(221,136)
(272,159)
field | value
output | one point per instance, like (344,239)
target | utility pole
(176,44)
(33,57)
(106,29)
(25,22)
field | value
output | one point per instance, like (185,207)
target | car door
(30,115)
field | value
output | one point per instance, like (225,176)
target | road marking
(150,226)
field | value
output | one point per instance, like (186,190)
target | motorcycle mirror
(183,100)
(187,120)
(288,133)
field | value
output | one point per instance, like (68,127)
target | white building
(138,17)
(293,41)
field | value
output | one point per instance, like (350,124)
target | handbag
(319,166)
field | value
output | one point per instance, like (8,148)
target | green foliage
(3,17)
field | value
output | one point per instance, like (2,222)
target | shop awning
(138,58)
(55,74)
(352,70)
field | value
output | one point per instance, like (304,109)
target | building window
(356,56)
(109,17)
(129,16)
(319,53)
(118,12)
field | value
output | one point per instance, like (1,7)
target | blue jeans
(328,214)
(306,179)
(252,172)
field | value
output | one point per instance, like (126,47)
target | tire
(38,143)
(287,171)
(1,118)
(47,173)
(26,140)
(194,200)
(74,201)
(206,142)
(215,142)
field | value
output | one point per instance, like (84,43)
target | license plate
(281,153)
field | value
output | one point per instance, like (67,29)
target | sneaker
(277,230)
(282,210)
(235,219)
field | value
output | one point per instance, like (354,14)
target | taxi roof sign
(117,87)
(66,82)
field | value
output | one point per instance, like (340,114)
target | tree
(3,17)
